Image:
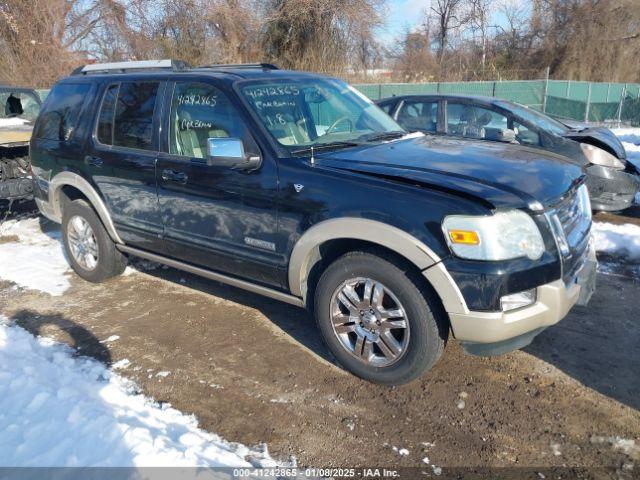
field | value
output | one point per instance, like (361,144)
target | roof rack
(264,66)
(125,67)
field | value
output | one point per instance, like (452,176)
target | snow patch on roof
(13,122)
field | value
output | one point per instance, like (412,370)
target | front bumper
(494,333)
(611,190)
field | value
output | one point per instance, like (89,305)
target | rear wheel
(377,320)
(90,251)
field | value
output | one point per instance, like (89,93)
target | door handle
(94,161)
(174,176)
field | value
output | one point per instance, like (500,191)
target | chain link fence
(582,101)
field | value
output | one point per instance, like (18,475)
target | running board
(218,277)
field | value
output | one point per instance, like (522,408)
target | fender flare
(306,253)
(76,181)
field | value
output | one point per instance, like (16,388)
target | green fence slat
(528,93)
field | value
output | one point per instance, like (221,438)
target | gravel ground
(254,370)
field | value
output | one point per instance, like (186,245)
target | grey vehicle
(612,180)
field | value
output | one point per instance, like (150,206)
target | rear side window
(416,115)
(61,111)
(126,115)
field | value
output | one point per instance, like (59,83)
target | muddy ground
(254,370)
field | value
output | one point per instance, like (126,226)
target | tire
(381,363)
(109,262)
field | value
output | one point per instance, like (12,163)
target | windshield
(534,117)
(19,104)
(318,112)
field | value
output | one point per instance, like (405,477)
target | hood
(504,175)
(599,135)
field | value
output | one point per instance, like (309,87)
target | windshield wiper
(326,146)
(378,136)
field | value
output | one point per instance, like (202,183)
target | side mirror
(229,152)
(507,135)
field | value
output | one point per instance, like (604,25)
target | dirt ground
(254,370)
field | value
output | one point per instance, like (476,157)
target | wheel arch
(65,180)
(307,254)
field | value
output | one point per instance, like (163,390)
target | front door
(214,216)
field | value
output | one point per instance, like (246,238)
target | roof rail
(125,67)
(264,66)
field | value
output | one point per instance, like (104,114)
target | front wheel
(377,320)
(90,251)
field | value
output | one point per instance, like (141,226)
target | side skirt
(218,277)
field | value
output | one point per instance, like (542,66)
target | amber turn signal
(464,237)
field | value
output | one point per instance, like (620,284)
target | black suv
(296,186)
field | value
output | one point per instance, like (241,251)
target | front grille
(571,223)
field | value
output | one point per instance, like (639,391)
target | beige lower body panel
(553,302)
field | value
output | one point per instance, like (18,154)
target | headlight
(601,157)
(501,236)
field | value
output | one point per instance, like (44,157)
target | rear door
(59,131)
(215,216)
(122,159)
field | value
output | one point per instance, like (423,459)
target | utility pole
(586,110)
(546,89)
(621,104)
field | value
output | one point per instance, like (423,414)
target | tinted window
(538,119)
(105,121)
(386,107)
(61,111)
(525,135)
(416,115)
(132,126)
(200,111)
(471,121)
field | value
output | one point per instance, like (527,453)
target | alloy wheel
(370,321)
(82,242)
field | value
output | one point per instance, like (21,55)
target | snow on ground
(618,240)
(57,409)
(630,138)
(31,258)
(23,242)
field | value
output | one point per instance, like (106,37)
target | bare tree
(479,21)
(319,34)
(43,39)
(415,61)
(448,16)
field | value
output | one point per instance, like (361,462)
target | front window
(200,111)
(542,121)
(317,112)
(472,121)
